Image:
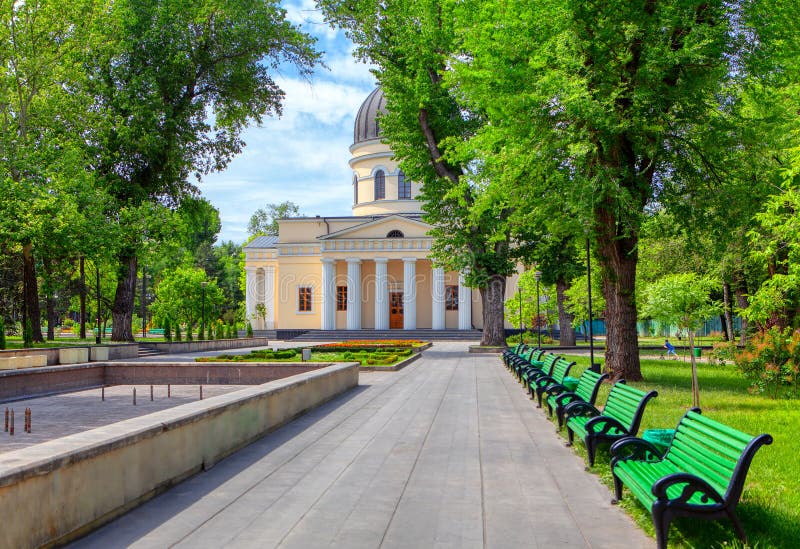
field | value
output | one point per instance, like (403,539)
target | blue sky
(303,155)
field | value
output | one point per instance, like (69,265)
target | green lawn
(770,505)
(373,359)
(15,342)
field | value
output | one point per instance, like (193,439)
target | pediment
(379,228)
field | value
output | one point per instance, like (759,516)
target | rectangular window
(341,298)
(304,299)
(451,298)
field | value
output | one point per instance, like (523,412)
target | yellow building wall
(293,273)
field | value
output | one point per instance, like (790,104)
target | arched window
(380,185)
(395,234)
(355,189)
(403,187)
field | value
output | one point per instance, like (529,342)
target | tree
(174,84)
(682,299)
(412,43)
(607,90)
(179,297)
(264,221)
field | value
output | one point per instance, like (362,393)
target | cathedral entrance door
(396,310)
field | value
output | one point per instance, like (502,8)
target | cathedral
(368,270)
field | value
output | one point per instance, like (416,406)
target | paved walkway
(445,453)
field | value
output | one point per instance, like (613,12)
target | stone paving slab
(448,452)
(65,414)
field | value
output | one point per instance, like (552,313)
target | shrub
(167,330)
(249,329)
(220,330)
(234,331)
(177,332)
(2,334)
(286,353)
(771,361)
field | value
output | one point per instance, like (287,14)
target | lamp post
(538,276)
(203,309)
(99,337)
(594,367)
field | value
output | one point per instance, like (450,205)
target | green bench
(521,360)
(701,474)
(537,368)
(558,397)
(560,370)
(508,354)
(527,361)
(620,418)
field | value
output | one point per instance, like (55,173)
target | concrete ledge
(209,345)
(26,361)
(486,349)
(97,354)
(64,488)
(75,355)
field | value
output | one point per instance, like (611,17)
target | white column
(353,293)
(328,294)
(437,293)
(409,293)
(250,292)
(464,304)
(381,294)
(269,297)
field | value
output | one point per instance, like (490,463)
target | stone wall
(62,489)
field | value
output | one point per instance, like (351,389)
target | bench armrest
(555,389)
(601,425)
(693,485)
(632,448)
(580,408)
(564,399)
(544,381)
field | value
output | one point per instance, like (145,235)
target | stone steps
(423,335)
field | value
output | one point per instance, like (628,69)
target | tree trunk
(49,300)
(618,256)
(492,297)
(82,292)
(725,334)
(742,303)
(122,309)
(567,337)
(695,386)
(31,297)
(726,298)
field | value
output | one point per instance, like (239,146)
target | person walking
(670,349)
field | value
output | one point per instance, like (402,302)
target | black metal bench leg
(737,525)
(617,489)
(590,449)
(661,520)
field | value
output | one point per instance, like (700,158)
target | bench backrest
(549,362)
(561,369)
(626,405)
(715,452)
(589,385)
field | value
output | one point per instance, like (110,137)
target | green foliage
(577,299)
(180,295)
(681,299)
(265,220)
(234,331)
(249,332)
(167,330)
(2,334)
(177,332)
(220,330)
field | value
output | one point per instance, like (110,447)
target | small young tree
(682,299)
(167,330)
(177,332)
(249,329)
(220,330)
(234,331)
(27,334)
(2,334)
(261,313)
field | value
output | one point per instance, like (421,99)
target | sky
(302,156)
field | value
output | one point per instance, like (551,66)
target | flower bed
(381,344)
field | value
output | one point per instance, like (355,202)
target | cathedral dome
(366,126)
